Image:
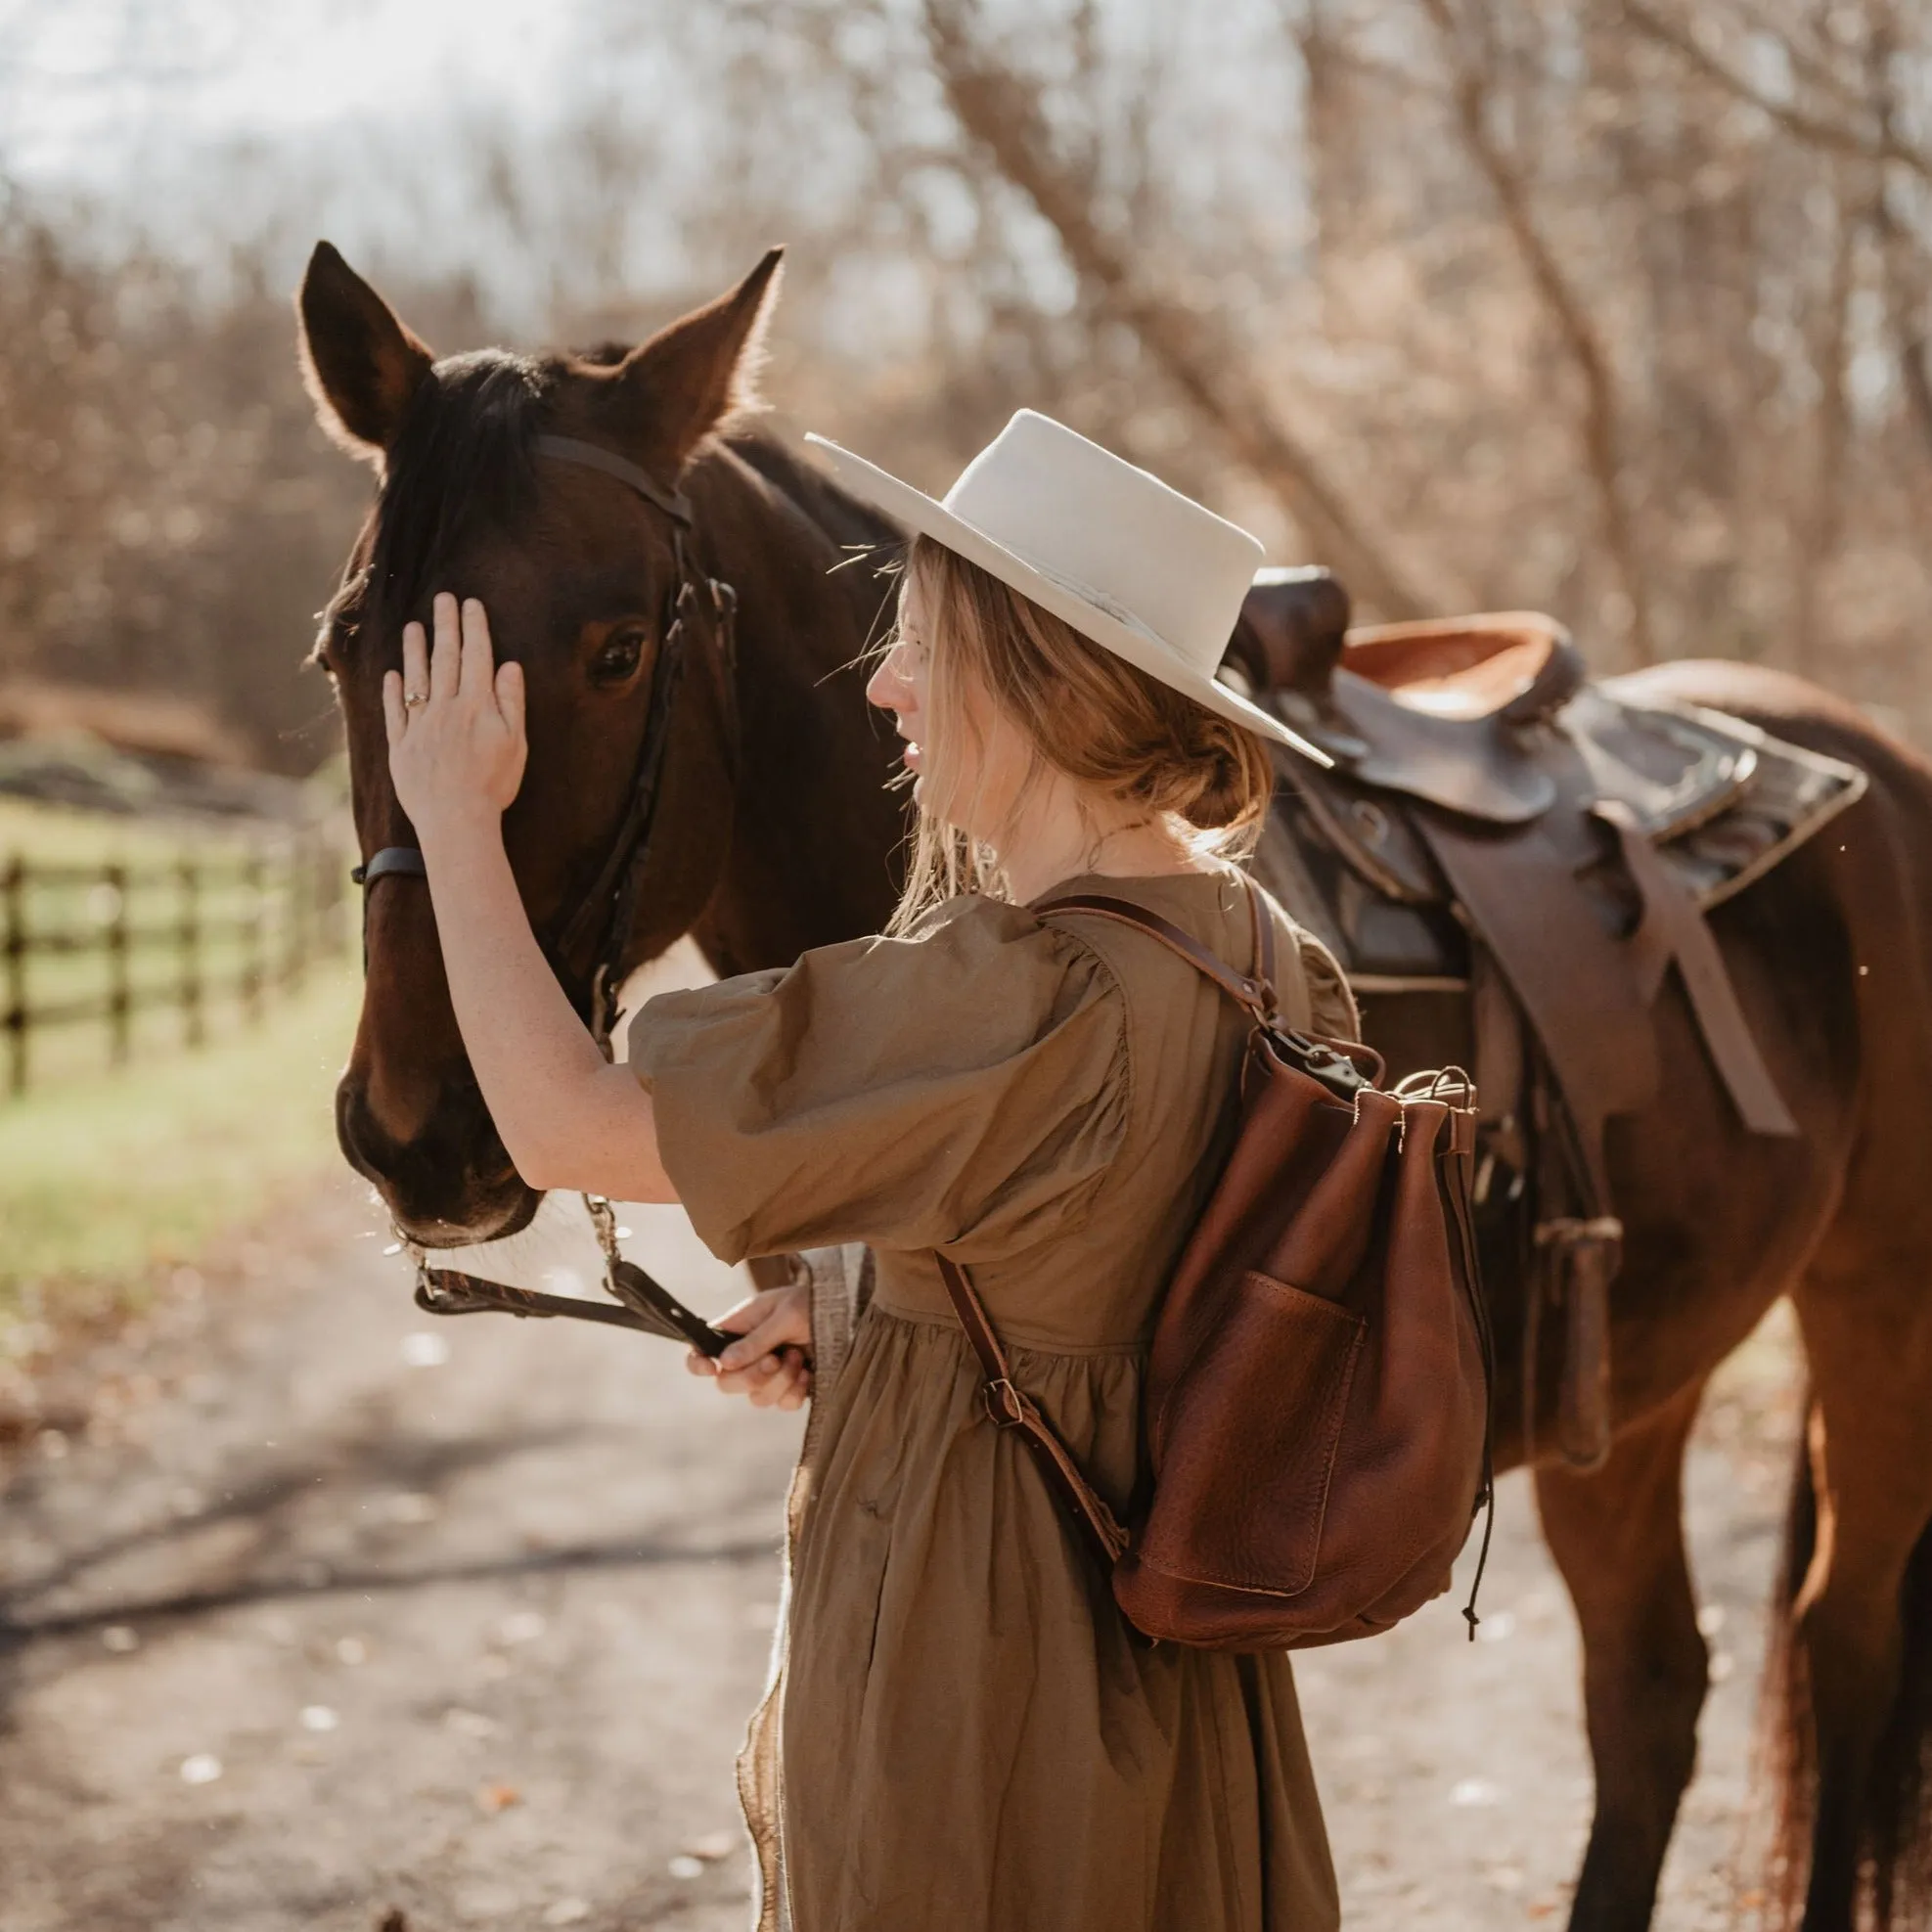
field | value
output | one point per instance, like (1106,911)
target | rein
(603,915)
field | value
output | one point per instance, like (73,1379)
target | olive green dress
(963,1735)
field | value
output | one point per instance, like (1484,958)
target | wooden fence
(101,944)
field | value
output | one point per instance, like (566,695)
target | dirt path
(331,1610)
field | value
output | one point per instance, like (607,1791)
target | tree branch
(1904,299)
(1001,113)
(1601,432)
(1882,144)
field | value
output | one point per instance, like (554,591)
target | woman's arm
(568,1118)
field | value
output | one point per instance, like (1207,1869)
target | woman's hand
(455,722)
(771,1364)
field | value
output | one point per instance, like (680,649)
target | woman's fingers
(779,1328)
(395,718)
(749,1379)
(509,698)
(477,677)
(765,1321)
(770,1363)
(785,1383)
(415,661)
(774,1381)
(446,659)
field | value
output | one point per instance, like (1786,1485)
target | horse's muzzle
(451,1185)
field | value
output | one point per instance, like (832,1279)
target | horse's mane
(842,516)
(460,461)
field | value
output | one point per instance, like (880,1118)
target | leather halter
(606,909)
(640,1302)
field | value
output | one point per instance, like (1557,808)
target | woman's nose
(888,686)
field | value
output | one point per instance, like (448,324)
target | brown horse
(576,570)
(774,832)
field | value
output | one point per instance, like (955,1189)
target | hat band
(1106,604)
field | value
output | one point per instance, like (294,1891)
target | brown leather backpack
(1317,1390)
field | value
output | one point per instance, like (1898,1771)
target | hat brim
(1072,604)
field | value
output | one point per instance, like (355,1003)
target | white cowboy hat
(1140,570)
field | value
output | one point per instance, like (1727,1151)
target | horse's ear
(361,364)
(692,378)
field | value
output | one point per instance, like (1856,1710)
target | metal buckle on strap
(1004,1405)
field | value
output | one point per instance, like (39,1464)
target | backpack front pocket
(1246,1513)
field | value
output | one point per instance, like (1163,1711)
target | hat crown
(1112,534)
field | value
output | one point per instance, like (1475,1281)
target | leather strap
(594,456)
(1010,1409)
(643,1303)
(1674,929)
(1579,988)
(1256,994)
(403,861)
(388,862)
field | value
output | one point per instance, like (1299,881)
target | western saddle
(1496,826)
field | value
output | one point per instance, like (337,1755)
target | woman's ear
(362,365)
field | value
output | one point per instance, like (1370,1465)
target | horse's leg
(1617,1538)
(1862,1618)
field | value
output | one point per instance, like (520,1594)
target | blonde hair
(1081,710)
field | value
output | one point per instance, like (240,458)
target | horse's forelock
(461,462)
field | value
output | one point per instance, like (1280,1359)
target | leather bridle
(603,916)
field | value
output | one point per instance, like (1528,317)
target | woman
(963,1735)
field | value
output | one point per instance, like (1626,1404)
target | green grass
(152,906)
(109,1175)
(104,1180)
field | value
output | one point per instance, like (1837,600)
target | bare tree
(1000,110)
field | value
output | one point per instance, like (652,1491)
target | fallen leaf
(497,1797)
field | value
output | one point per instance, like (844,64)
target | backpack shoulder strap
(1255,992)
(1010,1409)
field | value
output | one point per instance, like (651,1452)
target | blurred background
(1614,308)
(1618,308)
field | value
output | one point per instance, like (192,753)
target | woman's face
(971,766)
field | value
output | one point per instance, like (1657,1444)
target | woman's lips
(910,756)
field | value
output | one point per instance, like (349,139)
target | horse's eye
(619,656)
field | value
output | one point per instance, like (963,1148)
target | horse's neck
(815,845)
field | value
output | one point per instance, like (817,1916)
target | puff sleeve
(1332,1013)
(968,1080)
